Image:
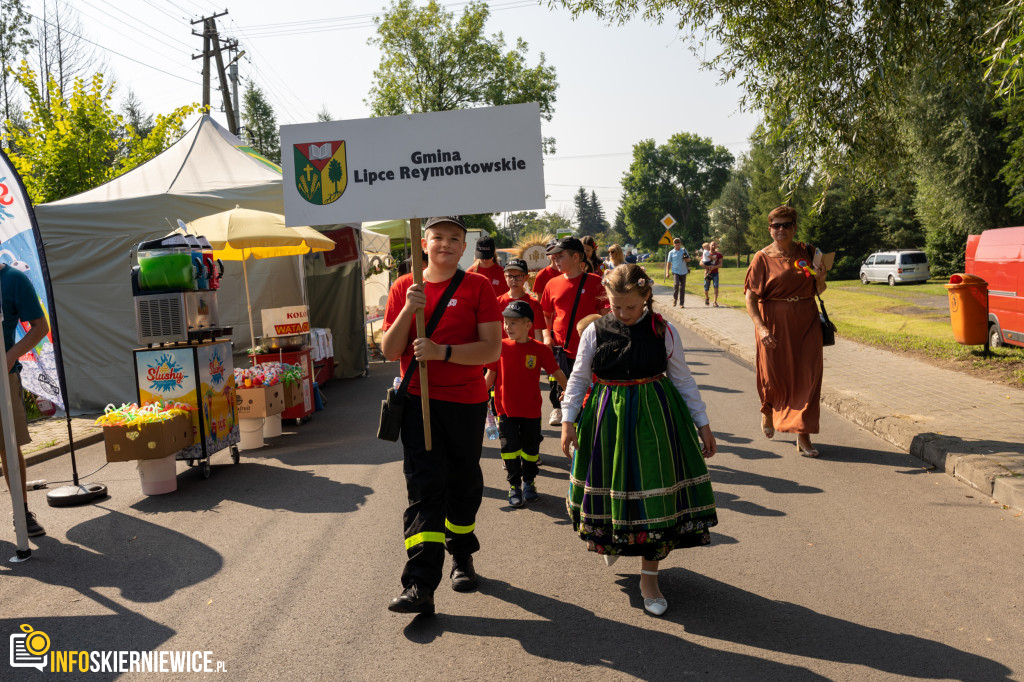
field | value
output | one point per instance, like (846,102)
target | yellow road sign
(668,221)
(665,238)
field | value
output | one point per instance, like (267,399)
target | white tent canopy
(88,238)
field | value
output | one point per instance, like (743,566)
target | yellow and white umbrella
(242,233)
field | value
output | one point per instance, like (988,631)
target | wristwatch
(448,353)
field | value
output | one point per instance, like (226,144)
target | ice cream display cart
(201,376)
(186,358)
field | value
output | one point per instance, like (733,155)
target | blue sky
(617,84)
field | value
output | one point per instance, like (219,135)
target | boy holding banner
(444,483)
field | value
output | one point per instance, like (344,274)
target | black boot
(414,599)
(464,578)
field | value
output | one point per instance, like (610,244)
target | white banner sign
(442,163)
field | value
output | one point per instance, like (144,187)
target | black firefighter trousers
(445,486)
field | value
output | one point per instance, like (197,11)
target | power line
(122,22)
(104,47)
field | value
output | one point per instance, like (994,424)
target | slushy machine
(187,356)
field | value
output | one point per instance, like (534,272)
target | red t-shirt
(538,314)
(716,260)
(519,373)
(495,273)
(560,294)
(542,279)
(473,303)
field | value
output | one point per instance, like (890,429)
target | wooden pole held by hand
(417,278)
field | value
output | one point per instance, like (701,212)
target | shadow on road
(720,611)
(572,634)
(259,485)
(144,561)
(712,609)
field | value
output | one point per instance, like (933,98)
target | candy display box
(261,401)
(293,395)
(148,441)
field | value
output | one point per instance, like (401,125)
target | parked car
(997,256)
(895,267)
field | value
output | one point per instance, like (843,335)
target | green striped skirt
(639,485)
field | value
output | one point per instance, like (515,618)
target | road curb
(47,454)
(945,453)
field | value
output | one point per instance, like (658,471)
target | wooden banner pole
(417,278)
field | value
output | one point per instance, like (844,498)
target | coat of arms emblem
(321,173)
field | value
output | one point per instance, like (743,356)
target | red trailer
(997,256)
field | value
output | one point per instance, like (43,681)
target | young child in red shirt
(516,273)
(519,366)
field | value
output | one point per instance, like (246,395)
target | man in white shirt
(677,262)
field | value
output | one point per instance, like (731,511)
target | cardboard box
(148,441)
(263,401)
(293,394)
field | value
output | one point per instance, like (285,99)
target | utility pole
(233,75)
(213,47)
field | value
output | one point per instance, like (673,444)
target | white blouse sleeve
(580,379)
(681,378)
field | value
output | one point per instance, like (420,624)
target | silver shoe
(657,606)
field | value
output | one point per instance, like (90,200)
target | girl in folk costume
(639,485)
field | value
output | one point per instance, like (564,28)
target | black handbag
(828,330)
(392,408)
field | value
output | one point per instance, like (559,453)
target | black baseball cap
(485,247)
(455,220)
(516,264)
(518,309)
(566,244)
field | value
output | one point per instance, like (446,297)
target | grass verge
(912,319)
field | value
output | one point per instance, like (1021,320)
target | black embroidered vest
(626,353)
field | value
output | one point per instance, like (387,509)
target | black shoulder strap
(575,305)
(810,259)
(435,318)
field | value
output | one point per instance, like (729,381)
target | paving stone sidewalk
(969,427)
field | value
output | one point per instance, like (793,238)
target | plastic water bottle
(492,427)
(397,382)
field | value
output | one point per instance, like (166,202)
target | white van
(895,267)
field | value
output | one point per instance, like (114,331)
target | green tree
(432,62)
(15,42)
(681,177)
(334,173)
(767,166)
(260,123)
(730,214)
(73,143)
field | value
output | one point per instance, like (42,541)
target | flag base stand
(74,495)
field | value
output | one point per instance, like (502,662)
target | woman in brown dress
(780,301)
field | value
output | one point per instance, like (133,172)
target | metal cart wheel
(235,456)
(204,468)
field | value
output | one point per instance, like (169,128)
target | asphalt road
(860,566)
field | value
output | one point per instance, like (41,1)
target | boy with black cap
(519,366)
(486,266)
(570,297)
(444,484)
(516,273)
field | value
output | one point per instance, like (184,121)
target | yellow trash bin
(968,309)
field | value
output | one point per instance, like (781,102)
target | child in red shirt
(516,272)
(519,366)
(485,265)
